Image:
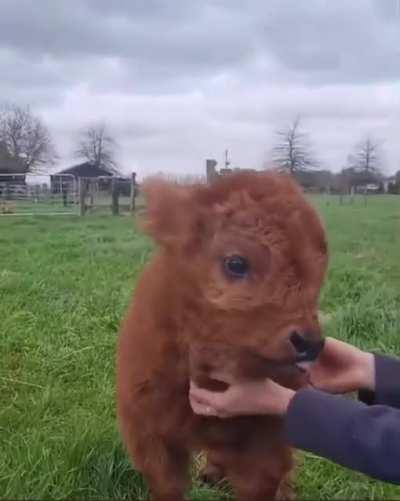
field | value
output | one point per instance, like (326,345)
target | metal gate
(35,194)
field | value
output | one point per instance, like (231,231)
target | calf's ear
(171,217)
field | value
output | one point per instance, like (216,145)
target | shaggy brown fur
(188,316)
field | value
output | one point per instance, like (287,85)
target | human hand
(240,398)
(342,368)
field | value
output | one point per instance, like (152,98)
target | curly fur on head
(263,218)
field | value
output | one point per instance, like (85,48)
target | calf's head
(251,253)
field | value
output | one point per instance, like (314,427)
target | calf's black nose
(307,346)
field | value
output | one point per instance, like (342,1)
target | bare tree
(293,152)
(98,147)
(366,158)
(364,166)
(26,138)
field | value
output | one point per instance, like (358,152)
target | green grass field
(64,284)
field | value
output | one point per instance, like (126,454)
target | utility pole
(227,162)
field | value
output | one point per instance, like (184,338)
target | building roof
(86,169)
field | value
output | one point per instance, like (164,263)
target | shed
(66,178)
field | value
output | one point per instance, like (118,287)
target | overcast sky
(178,81)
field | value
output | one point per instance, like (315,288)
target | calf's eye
(236,266)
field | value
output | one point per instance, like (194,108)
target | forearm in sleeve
(387,383)
(348,432)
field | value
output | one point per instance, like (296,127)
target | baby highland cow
(234,284)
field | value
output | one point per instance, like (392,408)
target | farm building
(212,173)
(66,178)
(95,176)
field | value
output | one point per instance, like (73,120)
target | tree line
(293,153)
(28,140)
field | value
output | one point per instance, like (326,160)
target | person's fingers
(195,399)
(331,343)
(197,402)
(332,347)
(197,392)
(322,377)
(324,367)
(203,396)
(202,406)
(224,377)
(203,410)
(334,384)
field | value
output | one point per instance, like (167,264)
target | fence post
(133,192)
(82,196)
(64,190)
(37,193)
(114,197)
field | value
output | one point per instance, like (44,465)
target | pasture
(64,284)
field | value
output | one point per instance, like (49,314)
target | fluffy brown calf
(235,283)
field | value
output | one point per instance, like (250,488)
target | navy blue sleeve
(387,383)
(348,432)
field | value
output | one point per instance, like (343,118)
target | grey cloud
(18,71)
(332,41)
(343,40)
(190,38)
